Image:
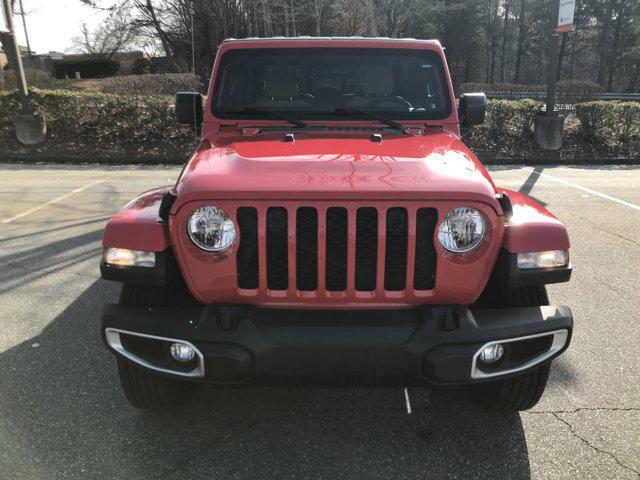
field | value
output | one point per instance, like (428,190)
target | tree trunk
(521,40)
(371,18)
(285,8)
(505,38)
(613,54)
(573,57)
(318,16)
(563,45)
(605,35)
(634,78)
(488,69)
(493,62)
(266,20)
(164,40)
(293,19)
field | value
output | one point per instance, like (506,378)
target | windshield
(319,83)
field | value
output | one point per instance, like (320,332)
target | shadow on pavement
(62,415)
(31,264)
(530,182)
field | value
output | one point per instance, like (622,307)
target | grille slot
(336,251)
(395,263)
(247,256)
(366,248)
(307,248)
(425,264)
(277,249)
(292,237)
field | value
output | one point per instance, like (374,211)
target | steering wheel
(390,98)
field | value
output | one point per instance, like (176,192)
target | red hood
(436,167)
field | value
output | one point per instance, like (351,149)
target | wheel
(149,391)
(521,392)
(143,388)
(513,394)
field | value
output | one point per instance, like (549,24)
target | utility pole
(30,125)
(24,26)
(13,52)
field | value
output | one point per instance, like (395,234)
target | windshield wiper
(275,113)
(355,111)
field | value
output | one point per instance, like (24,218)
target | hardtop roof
(325,39)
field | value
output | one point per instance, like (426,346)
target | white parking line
(588,190)
(50,202)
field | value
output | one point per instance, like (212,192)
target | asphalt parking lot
(62,414)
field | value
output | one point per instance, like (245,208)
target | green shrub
(35,78)
(142,66)
(95,120)
(508,119)
(96,124)
(610,123)
(9,106)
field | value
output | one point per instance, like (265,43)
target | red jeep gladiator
(332,229)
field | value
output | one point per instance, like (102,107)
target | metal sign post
(549,126)
(553,61)
(561,21)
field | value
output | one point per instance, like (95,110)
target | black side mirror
(472,109)
(189,108)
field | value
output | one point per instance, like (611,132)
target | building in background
(62,65)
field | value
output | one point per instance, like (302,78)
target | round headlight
(211,229)
(461,230)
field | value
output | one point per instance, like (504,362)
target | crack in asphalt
(594,447)
(586,409)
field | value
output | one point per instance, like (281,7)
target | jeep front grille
(310,249)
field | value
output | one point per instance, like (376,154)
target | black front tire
(521,392)
(145,389)
(512,394)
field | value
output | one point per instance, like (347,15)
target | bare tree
(118,31)
(486,40)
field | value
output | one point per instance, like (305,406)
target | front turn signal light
(123,257)
(550,259)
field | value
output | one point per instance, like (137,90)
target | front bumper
(239,344)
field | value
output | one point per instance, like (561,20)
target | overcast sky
(52,23)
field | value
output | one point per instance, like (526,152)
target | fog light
(182,352)
(492,353)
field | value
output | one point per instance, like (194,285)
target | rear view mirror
(472,109)
(189,108)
